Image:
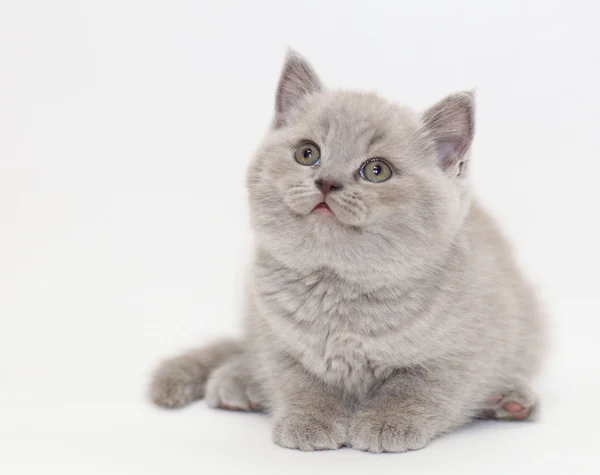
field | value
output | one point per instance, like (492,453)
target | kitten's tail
(181,379)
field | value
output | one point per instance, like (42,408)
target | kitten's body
(397,319)
(352,335)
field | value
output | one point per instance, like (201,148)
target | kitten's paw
(309,432)
(516,405)
(231,387)
(373,432)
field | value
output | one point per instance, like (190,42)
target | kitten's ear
(451,123)
(298,79)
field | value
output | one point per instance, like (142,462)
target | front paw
(309,431)
(378,432)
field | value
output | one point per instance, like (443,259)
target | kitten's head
(352,182)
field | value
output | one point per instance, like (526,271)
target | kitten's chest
(344,359)
(326,327)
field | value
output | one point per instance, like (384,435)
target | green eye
(375,170)
(307,154)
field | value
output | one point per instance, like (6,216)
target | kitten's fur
(396,320)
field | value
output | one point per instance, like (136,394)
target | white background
(125,130)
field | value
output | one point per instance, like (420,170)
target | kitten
(385,307)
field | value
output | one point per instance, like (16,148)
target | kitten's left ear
(298,80)
(451,123)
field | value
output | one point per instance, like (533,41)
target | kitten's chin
(328,230)
(326,221)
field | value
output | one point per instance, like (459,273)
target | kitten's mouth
(322,208)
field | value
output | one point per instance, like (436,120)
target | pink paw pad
(522,415)
(513,407)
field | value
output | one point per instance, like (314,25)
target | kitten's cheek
(352,214)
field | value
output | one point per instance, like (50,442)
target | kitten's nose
(327,185)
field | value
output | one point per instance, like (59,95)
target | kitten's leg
(307,415)
(232,387)
(409,410)
(517,405)
(182,379)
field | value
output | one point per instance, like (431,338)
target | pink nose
(326,186)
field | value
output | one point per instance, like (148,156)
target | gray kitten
(385,307)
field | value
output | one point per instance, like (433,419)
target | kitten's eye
(307,154)
(375,170)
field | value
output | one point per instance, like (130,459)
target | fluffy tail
(182,379)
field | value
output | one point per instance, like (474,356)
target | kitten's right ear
(298,80)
